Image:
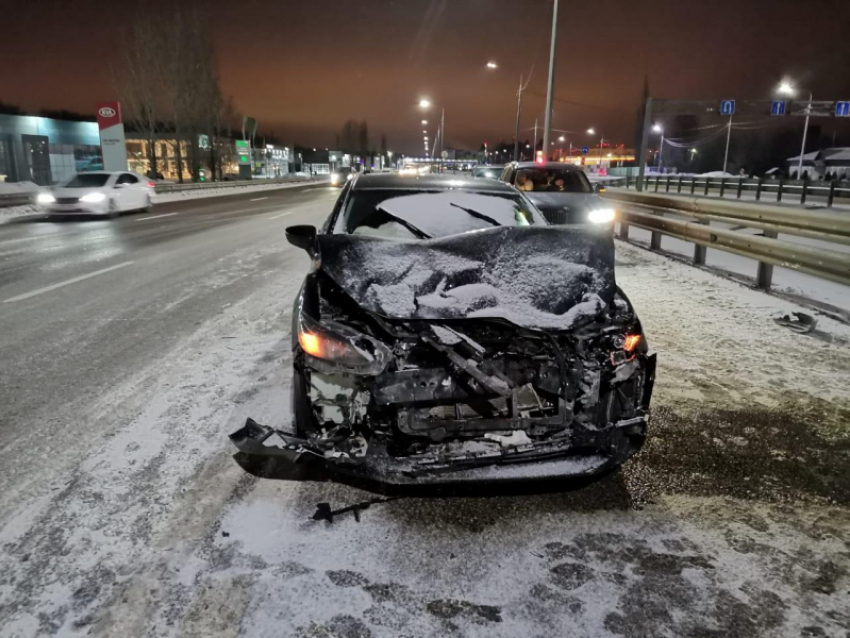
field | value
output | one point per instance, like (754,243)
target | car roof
(562,165)
(428,182)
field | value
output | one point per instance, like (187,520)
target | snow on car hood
(536,277)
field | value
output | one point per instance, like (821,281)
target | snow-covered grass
(157,532)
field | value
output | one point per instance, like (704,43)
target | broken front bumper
(275,454)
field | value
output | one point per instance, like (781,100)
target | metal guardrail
(767,250)
(22,199)
(16,199)
(781,189)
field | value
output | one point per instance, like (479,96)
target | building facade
(44,151)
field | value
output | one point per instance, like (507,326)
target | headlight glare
(601,216)
(45,198)
(93,198)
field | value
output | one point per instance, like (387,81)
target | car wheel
(112,211)
(149,206)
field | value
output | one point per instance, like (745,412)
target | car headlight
(93,198)
(45,198)
(350,177)
(601,216)
(345,348)
(335,178)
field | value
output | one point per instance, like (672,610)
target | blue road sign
(777,107)
(842,109)
(584,150)
(727,107)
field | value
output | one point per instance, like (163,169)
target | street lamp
(786,88)
(591,131)
(492,65)
(425,103)
(658,129)
(424,122)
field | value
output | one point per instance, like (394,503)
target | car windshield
(422,215)
(87,180)
(552,180)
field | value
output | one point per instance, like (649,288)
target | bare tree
(139,86)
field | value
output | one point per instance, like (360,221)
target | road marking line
(66,283)
(141,219)
(279,216)
(259,199)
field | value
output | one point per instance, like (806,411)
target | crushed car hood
(572,201)
(535,277)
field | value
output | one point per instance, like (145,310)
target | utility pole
(805,134)
(547,126)
(518,116)
(534,150)
(443,131)
(728,138)
(644,142)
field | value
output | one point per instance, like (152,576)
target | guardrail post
(628,179)
(707,182)
(657,179)
(831,196)
(680,184)
(805,188)
(764,276)
(722,186)
(693,184)
(758,189)
(655,238)
(779,192)
(699,251)
(624,230)
(668,183)
(740,188)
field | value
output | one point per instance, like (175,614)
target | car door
(127,193)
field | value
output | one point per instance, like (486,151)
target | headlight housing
(601,216)
(93,198)
(344,348)
(45,198)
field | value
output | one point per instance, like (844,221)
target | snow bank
(203,193)
(18,188)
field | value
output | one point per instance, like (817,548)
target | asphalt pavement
(131,348)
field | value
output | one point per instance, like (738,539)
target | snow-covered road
(134,520)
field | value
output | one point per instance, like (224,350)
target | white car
(100,193)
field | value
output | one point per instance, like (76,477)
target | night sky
(304,68)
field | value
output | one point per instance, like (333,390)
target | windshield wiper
(476,214)
(413,229)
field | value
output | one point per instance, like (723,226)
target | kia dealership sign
(113,145)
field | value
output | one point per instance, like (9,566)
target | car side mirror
(303,237)
(599,188)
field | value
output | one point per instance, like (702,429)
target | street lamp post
(547,125)
(657,129)
(787,89)
(425,103)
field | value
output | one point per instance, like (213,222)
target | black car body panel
(543,372)
(566,208)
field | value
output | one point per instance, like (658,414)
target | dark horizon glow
(304,69)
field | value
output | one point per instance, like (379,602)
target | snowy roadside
(11,212)
(158,532)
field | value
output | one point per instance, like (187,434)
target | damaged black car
(446,333)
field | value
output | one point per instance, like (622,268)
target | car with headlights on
(561,191)
(341,175)
(446,333)
(99,193)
